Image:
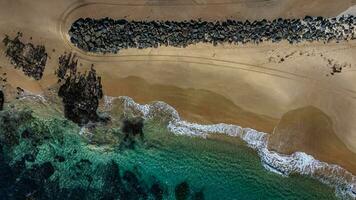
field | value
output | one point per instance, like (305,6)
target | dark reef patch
(32,59)
(2,100)
(132,128)
(182,191)
(9,125)
(110,36)
(157,191)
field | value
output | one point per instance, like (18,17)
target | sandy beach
(296,100)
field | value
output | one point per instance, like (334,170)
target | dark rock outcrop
(80,95)
(80,92)
(110,36)
(67,64)
(132,128)
(32,59)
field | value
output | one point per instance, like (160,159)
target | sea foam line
(26,94)
(299,162)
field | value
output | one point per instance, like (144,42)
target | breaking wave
(299,162)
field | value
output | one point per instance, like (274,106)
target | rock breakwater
(110,36)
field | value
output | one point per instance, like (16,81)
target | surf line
(332,175)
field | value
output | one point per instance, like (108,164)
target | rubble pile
(32,59)
(80,93)
(110,36)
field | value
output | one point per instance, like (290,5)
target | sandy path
(245,85)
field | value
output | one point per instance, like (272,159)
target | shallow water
(224,170)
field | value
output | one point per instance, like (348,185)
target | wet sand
(246,85)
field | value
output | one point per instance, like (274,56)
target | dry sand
(245,85)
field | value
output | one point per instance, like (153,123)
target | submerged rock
(199,196)
(2,100)
(182,191)
(113,186)
(59,158)
(10,121)
(134,188)
(157,191)
(32,59)
(131,129)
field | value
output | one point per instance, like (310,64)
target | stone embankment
(110,36)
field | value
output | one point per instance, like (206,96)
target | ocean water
(52,158)
(223,169)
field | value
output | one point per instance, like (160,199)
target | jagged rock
(32,59)
(80,95)
(67,64)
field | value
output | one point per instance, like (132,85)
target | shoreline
(246,85)
(191,107)
(333,175)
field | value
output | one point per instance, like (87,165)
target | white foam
(350,11)
(299,162)
(29,95)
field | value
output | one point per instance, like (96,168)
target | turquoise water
(220,168)
(224,170)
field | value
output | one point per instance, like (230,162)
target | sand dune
(247,85)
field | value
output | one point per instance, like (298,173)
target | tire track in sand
(261,69)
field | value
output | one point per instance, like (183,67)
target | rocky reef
(80,93)
(32,59)
(47,159)
(110,36)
